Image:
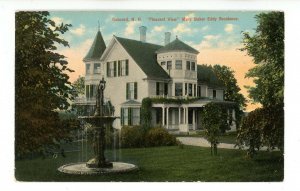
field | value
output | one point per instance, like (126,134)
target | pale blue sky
(85,26)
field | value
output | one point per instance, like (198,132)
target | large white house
(136,69)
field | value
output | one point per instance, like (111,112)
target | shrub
(132,137)
(158,136)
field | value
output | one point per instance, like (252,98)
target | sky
(210,32)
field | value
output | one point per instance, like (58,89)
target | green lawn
(166,164)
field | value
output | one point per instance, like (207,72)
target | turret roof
(97,48)
(177,45)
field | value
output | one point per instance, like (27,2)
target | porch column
(194,120)
(163,116)
(167,118)
(233,114)
(228,115)
(186,115)
(179,111)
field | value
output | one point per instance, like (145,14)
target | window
(169,65)
(87,91)
(214,94)
(178,89)
(123,68)
(178,64)
(130,116)
(90,91)
(97,69)
(199,91)
(131,90)
(115,68)
(163,63)
(195,92)
(188,65)
(157,88)
(87,69)
(185,89)
(166,89)
(111,69)
(135,117)
(193,66)
(190,93)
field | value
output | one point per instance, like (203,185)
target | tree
(78,85)
(226,75)
(266,47)
(146,115)
(263,126)
(215,122)
(41,83)
(231,93)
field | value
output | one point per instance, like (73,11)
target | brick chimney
(167,37)
(143,30)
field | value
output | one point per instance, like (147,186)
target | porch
(176,118)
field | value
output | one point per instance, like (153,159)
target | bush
(159,137)
(132,137)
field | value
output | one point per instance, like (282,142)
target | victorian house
(137,69)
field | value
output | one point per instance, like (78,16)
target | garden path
(201,142)
(198,141)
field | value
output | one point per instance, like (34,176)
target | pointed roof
(177,45)
(96,49)
(143,54)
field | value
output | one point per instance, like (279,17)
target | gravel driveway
(198,141)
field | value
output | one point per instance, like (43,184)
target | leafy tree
(78,85)
(215,122)
(263,126)
(41,82)
(226,75)
(146,115)
(266,47)
(231,93)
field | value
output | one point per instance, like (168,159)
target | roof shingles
(144,55)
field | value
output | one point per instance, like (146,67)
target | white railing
(172,97)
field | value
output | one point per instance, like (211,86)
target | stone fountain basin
(81,168)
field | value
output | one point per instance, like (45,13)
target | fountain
(102,118)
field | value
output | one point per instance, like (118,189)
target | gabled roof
(144,55)
(177,45)
(96,49)
(206,75)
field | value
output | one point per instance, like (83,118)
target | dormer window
(97,69)
(178,64)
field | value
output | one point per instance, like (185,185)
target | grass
(165,164)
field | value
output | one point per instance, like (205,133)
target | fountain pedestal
(102,119)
